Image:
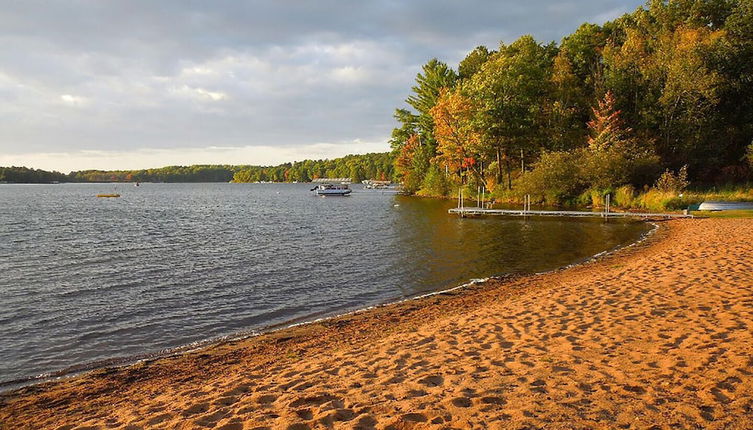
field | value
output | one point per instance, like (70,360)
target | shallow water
(86,280)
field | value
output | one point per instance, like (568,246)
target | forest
(640,107)
(378,166)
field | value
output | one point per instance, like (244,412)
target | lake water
(87,281)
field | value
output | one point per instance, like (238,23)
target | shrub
(605,169)
(591,197)
(673,182)
(624,196)
(658,201)
(435,184)
(555,178)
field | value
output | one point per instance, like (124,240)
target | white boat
(332,190)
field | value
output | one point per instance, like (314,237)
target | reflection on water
(449,250)
(86,279)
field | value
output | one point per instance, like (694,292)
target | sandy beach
(655,336)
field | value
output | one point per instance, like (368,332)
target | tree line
(25,175)
(664,91)
(378,166)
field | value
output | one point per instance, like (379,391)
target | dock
(476,211)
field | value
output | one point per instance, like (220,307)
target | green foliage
(473,61)
(435,77)
(670,182)
(435,184)
(555,178)
(624,196)
(378,166)
(671,83)
(657,201)
(24,175)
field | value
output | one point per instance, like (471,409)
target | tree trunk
(509,172)
(499,166)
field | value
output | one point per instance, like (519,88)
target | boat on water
(108,195)
(332,190)
(370,184)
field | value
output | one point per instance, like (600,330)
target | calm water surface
(86,280)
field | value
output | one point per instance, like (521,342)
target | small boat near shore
(332,190)
(714,206)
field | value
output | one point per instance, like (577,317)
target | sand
(656,336)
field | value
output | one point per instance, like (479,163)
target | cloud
(173,76)
(71,100)
(148,158)
(199,93)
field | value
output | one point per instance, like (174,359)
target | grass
(724,214)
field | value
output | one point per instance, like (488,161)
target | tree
(613,156)
(689,93)
(408,164)
(414,138)
(510,90)
(473,61)
(457,139)
(435,77)
(606,128)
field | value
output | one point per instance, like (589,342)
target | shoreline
(266,379)
(81,370)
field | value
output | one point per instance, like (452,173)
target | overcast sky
(136,84)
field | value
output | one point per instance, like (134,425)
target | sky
(134,84)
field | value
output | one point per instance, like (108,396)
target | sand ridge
(655,337)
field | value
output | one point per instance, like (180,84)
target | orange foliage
(457,140)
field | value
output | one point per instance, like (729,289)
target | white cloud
(350,75)
(199,93)
(149,158)
(72,100)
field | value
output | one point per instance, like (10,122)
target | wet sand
(655,336)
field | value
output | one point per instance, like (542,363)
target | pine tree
(607,130)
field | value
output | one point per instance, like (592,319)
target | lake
(86,282)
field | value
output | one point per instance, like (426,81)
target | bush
(671,182)
(555,178)
(435,184)
(608,169)
(605,169)
(624,196)
(658,201)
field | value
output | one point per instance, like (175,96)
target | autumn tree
(458,142)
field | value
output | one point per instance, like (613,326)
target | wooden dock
(475,211)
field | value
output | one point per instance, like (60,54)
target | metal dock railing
(475,211)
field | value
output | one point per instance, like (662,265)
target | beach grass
(724,214)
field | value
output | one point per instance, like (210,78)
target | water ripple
(86,281)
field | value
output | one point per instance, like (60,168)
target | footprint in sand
(431,381)
(159,419)
(461,402)
(266,399)
(226,401)
(414,417)
(313,400)
(196,409)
